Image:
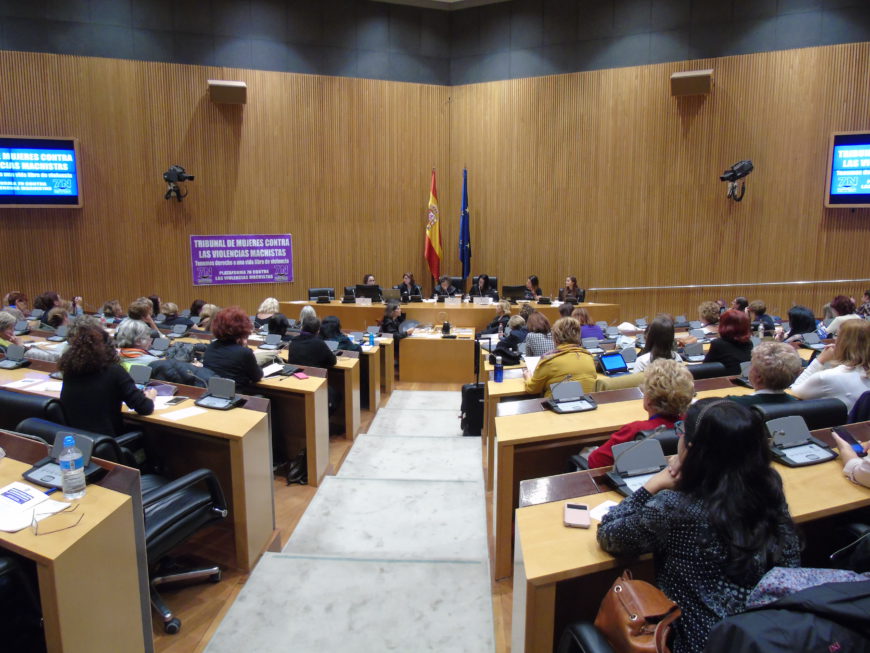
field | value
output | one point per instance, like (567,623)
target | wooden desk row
(234,444)
(477,316)
(553,563)
(532,443)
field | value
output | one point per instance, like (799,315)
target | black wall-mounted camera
(738,171)
(172,177)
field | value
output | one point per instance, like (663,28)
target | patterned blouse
(689,558)
(538,344)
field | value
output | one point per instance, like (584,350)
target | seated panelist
(533,288)
(483,289)
(409,286)
(571,292)
(445,288)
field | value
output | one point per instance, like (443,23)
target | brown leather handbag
(636,617)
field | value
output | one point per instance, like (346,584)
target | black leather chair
(174,511)
(707,370)
(817,413)
(21,624)
(861,410)
(17,406)
(493,283)
(458,283)
(350,290)
(116,450)
(583,637)
(314,293)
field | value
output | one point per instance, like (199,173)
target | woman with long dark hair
(659,343)
(95,384)
(570,293)
(715,520)
(330,329)
(409,286)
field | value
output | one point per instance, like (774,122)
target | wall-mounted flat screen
(849,171)
(39,172)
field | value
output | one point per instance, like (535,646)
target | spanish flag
(432,251)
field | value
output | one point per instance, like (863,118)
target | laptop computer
(14,358)
(332,344)
(694,352)
(221,395)
(46,472)
(612,364)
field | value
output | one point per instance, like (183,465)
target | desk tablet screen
(582,404)
(613,363)
(807,453)
(636,482)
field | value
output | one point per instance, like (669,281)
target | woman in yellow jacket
(569,361)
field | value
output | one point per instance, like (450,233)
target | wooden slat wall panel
(600,174)
(342,164)
(604,175)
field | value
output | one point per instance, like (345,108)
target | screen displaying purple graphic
(245,258)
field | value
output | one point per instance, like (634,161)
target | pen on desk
(597,489)
(51,491)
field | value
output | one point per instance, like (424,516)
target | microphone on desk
(557,384)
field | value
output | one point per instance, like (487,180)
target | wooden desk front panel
(88,575)
(435,360)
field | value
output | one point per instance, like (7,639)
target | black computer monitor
(372,292)
(513,293)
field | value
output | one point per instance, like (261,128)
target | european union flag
(465,230)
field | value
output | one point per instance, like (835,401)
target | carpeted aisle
(390,555)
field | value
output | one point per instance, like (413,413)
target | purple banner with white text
(245,258)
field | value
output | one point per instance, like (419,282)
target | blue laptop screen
(613,362)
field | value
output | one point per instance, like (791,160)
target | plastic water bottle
(500,330)
(371,339)
(72,469)
(499,370)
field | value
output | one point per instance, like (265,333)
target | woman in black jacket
(228,355)
(330,329)
(409,286)
(94,383)
(733,346)
(502,315)
(308,349)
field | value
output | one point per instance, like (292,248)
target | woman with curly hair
(95,384)
(228,355)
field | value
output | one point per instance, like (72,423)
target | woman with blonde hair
(841,370)
(267,309)
(568,362)
(206,314)
(502,316)
(709,313)
(668,389)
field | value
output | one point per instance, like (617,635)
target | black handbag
(297,469)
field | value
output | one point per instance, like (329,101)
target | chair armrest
(583,637)
(132,448)
(132,439)
(186,481)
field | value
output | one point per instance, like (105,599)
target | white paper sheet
(599,511)
(532,363)
(184,413)
(47,386)
(22,383)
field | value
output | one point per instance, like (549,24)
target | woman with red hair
(733,346)
(228,355)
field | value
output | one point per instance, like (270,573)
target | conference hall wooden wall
(600,174)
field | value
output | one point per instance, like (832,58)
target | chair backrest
(668,438)
(105,446)
(459,283)
(321,292)
(707,370)
(18,406)
(350,290)
(493,283)
(817,413)
(861,410)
